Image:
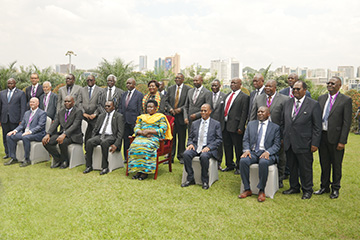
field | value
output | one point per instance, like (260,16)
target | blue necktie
(327,111)
(90,88)
(9,96)
(259,137)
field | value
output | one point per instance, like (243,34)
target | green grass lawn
(37,202)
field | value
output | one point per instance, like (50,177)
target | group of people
(268,127)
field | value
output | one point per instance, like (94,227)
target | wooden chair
(164,149)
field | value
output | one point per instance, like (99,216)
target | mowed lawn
(37,202)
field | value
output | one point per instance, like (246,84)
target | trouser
(104,143)
(13,139)
(61,156)
(204,162)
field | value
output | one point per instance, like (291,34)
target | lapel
(254,132)
(337,102)
(323,100)
(182,95)
(273,103)
(69,121)
(219,99)
(12,96)
(303,107)
(113,123)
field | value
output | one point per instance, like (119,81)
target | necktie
(30,118)
(105,126)
(256,93)
(296,109)
(201,137)
(177,97)
(268,104)
(214,100)
(90,88)
(127,99)
(228,104)
(68,90)
(66,114)
(195,95)
(109,95)
(259,137)
(9,96)
(327,110)
(33,92)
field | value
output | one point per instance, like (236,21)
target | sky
(313,34)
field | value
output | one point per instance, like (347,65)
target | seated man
(32,128)
(69,119)
(261,145)
(108,132)
(204,140)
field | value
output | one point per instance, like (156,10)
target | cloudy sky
(314,34)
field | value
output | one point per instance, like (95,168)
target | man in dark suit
(12,109)
(111,93)
(70,89)
(302,133)
(130,108)
(336,121)
(196,97)
(275,102)
(48,100)
(236,114)
(35,90)
(292,79)
(204,140)
(258,83)
(261,144)
(108,132)
(175,103)
(32,128)
(69,119)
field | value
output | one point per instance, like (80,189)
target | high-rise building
(64,68)
(347,70)
(317,73)
(225,70)
(142,63)
(173,63)
(358,72)
(159,65)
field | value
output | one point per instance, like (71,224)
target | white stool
(272,184)
(115,159)
(213,171)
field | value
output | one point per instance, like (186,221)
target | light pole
(69,53)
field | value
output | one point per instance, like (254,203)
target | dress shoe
(188,183)
(25,163)
(143,177)
(334,194)
(64,165)
(228,169)
(87,170)
(306,195)
(322,191)
(246,193)
(136,176)
(261,197)
(237,172)
(104,171)
(205,186)
(281,184)
(291,191)
(11,161)
(56,165)
(181,161)
(6,156)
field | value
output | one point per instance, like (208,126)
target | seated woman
(148,130)
(154,94)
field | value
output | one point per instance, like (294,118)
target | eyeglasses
(330,83)
(90,80)
(296,89)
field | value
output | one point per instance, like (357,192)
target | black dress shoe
(306,195)
(291,191)
(56,165)
(281,185)
(136,176)
(188,183)
(228,169)
(334,194)
(322,191)
(205,186)
(64,165)
(6,156)
(181,161)
(11,161)
(87,170)
(104,171)
(237,172)
(25,163)
(143,176)
(125,161)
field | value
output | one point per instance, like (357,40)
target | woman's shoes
(136,176)
(143,176)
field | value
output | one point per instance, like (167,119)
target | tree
(6,73)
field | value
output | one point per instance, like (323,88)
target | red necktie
(228,104)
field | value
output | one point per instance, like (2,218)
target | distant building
(173,63)
(317,73)
(142,63)
(225,70)
(348,71)
(64,68)
(159,65)
(358,72)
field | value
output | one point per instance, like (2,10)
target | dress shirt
(259,91)
(232,100)
(325,123)
(32,114)
(92,89)
(34,87)
(262,140)
(108,130)
(206,122)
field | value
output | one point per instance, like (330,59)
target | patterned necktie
(296,109)
(256,93)
(177,97)
(214,100)
(105,126)
(66,115)
(33,92)
(327,110)
(228,104)
(291,93)
(257,147)
(109,95)
(201,137)
(268,104)
(195,95)
(90,88)
(127,99)
(9,95)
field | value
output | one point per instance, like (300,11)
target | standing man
(111,93)
(336,121)
(162,89)
(292,79)
(258,83)
(175,103)
(70,89)
(89,104)
(108,132)
(12,109)
(35,90)
(48,100)
(130,108)
(302,133)
(204,140)
(235,114)
(69,119)
(32,128)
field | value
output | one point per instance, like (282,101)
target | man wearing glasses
(292,79)
(70,89)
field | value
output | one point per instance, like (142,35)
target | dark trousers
(89,129)
(180,134)
(204,162)
(300,164)
(231,140)
(7,127)
(263,169)
(13,139)
(282,163)
(329,156)
(128,131)
(104,143)
(61,156)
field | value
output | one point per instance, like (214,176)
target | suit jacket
(117,96)
(339,120)
(52,105)
(238,112)
(214,137)
(251,101)
(75,92)
(92,105)
(72,127)
(218,111)
(305,130)
(15,108)
(134,107)
(170,101)
(117,127)
(37,124)
(39,92)
(190,108)
(286,92)
(272,142)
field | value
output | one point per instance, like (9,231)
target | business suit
(12,112)
(179,131)
(339,123)
(252,98)
(39,91)
(52,104)
(236,119)
(299,135)
(130,113)
(72,129)
(213,141)
(36,127)
(116,98)
(286,92)
(75,92)
(218,114)
(272,143)
(117,128)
